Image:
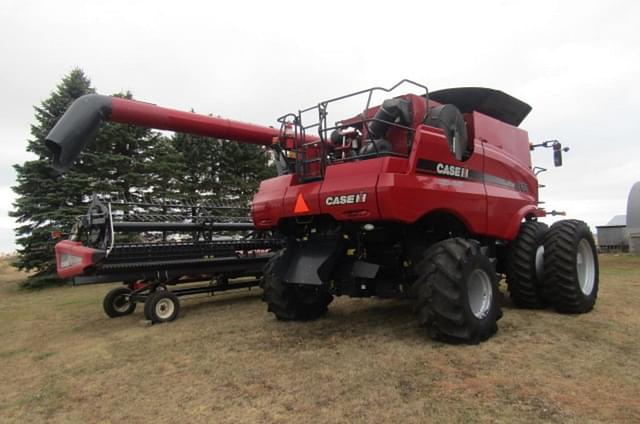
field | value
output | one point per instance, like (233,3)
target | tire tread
(562,285)
(439,300)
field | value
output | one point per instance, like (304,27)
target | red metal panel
(512,140)
(349,190)
(408,197)
(395,164)
(506,156)
(277,197)
(309,192)
(266,207)
(83,255)
(504,203)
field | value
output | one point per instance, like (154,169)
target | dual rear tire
(555,266)
(571,267)
(525,266)
(457,287)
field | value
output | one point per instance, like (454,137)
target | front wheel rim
(479,293)
(585,267)
(164,308)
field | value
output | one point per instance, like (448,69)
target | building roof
(618,220)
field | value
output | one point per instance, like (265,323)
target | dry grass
(226,360)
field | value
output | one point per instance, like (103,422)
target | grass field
(226,360)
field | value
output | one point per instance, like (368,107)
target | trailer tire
(161,306)
(571,267)
(525,266)
(116,304)
(289,302)
(457,292)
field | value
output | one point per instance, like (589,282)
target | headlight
(67,260)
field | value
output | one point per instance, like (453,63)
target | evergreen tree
(118,160)
(241,167)
(197,162)
(166,167)
(125,159)
(42,204)
(218,169)
(115,162)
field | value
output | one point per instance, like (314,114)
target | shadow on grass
(347,319)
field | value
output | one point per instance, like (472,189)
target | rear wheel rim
(164,308)
(585,267)
(539,262)
(479,293)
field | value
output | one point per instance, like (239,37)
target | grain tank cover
(493,103)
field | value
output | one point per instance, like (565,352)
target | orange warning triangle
(301,206)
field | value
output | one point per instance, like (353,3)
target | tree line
(122,159)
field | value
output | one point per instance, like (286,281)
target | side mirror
(557,156)
(557,150)
(557,153)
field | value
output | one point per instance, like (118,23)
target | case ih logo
(347,199)
(460,172)
(452,170)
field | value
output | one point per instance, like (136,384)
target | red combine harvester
(428,195)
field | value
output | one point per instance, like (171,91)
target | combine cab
(427,195)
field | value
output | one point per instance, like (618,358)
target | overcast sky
(576,63)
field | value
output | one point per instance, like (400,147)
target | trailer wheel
(161,306)
(525,266)
(457,292)
(571,267)
(117,303)
(289,302)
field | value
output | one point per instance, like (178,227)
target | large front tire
(525,266)
(290,302)
(457,292)
(571,267)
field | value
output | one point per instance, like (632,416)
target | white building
(614,236)
(633,219)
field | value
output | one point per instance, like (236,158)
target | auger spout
(80,123)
